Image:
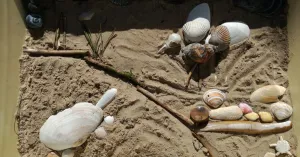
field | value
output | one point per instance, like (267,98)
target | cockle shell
(197,52)
(267,94)
(71,127)
(226,113)
(100,133)
(239,32)
(265,117)
(198,23)
(109,120)
(281,110)
(245,108)
(214,98)
(199,114)
(174,40)
(252,116)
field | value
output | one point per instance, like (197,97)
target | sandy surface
(51,84)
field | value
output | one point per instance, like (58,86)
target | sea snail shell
(199,114)
(214,98)
(173,41)
(197,52)
(198,24)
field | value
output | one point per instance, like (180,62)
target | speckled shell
(214,98)
(281,110)
(196,30)
(238,31)
(226,113)
(71,127)
(267,94)
(199,114)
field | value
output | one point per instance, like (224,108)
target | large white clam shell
(226,113)
(281,110)
(198,23)
(238,31)
(70,127)
(267,94)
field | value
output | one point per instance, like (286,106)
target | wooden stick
(213,152)
(190,76)
(178,115)
(56,52)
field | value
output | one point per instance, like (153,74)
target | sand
(52,84)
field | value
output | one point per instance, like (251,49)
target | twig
(213,152)
(112,35)
(178,115)
(56,52)
(190,76)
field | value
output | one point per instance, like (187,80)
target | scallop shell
(201,10)
(196,30)
(238,31)
(199,114)
(214,98)
(226,113)
(70,127)
(245,108)
(281,110)
(267,94)
(220,37)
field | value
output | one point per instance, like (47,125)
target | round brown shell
(199,54)
(199,114)
(214,98)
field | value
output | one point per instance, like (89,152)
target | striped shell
(220,37)
(267,94)
(226,113)
(238,31)
(281,110)
(214,98)
(196,30)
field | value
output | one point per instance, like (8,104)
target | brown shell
(214,98)
(220,37)
(199,54)
(199,114)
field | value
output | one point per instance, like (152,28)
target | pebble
(100,133)
(52,154)
(269,154)
(252,116)
(265,117)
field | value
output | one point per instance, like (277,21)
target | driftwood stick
(56,52)
(175,113)
(213,152)
(190,76)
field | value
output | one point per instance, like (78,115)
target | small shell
(68,153)
(281,110)
(34,21)
(245,108)
(107,97)
(199,114)
(220,37)
(267,94)
(201,10)
(109,120)
(226,113)
(198,53)
(196,30)
(174,40)
(252,116)
(238,31)
(52,154)
(265,117)
(100,133)
(214,98)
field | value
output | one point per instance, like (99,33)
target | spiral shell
(199,114)
(281,110)
(214,98)
(226,113)
(267,94)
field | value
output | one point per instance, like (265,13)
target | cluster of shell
(214,98)
(72,126)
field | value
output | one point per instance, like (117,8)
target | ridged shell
(196,30)
(201,10)
(220,37)
(70,127)
(199,114)
(267,94)
(214,98)
(281,110)
(226,113)
(238,31)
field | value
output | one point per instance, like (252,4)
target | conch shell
(226,113)
(71,127)
(267,94)
(198,24)
(214,98)
(173,41)
(281,110)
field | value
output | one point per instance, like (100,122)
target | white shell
(174,39)
(85,16)
(268,154)
(197,24)
(70,127)
(109,120)
(267,94)
(238,31)
(100,133)
(281,110)
(282,147)
(226,113)
(214,98)
(107,97)
(68,153)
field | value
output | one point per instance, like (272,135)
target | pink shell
(245,108)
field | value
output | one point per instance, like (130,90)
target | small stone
(100,133)
(265,117)
(269,154)
(52,154)
(68,153)
(252,116)
(204,150)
